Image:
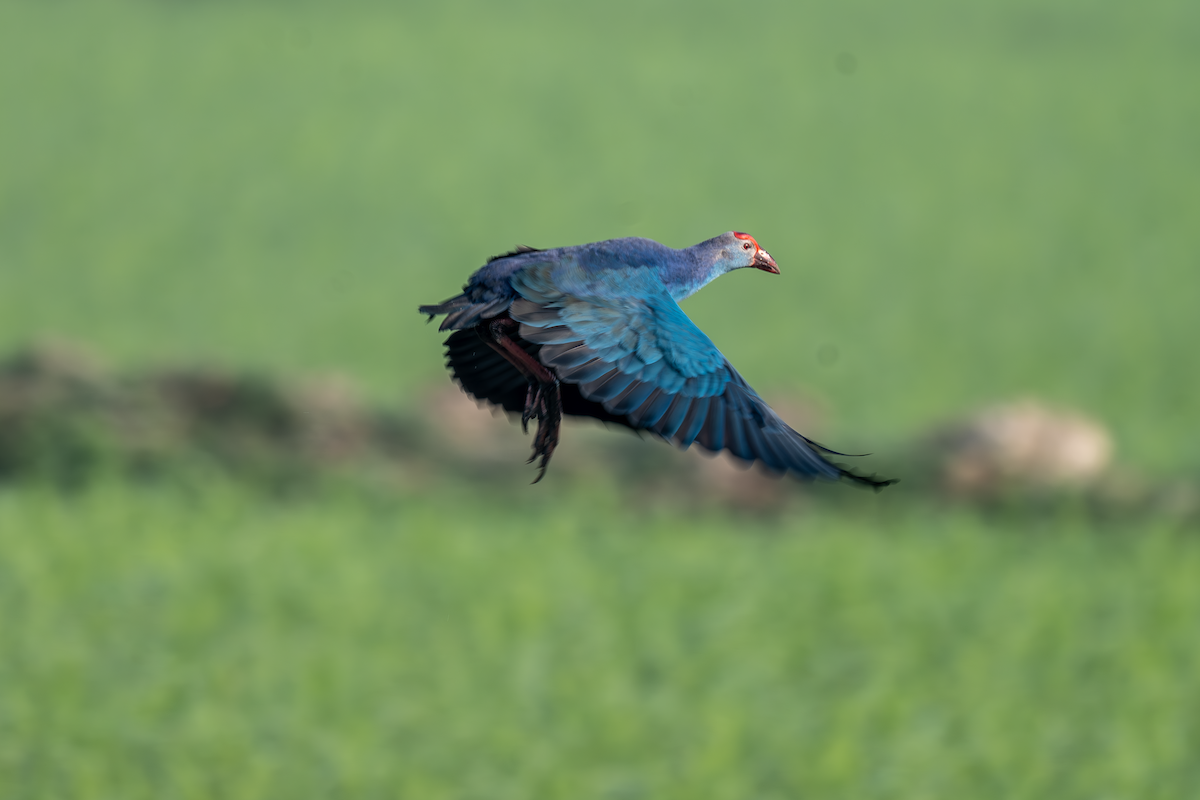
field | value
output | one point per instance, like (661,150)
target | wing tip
(872,481)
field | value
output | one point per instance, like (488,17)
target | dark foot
(545,405)
(543,401)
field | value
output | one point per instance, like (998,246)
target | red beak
(763,261)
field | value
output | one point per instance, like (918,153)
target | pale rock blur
(1024,444)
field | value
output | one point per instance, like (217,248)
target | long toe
(545,449)
(530,405)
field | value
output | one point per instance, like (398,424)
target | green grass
(999,202)
(343,647)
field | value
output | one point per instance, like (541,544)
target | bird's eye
(746,246)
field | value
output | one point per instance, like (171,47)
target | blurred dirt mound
(63,415)
(61,412)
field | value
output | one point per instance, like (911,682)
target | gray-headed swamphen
(596,331)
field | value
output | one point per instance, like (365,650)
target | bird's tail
(447,307)
(463,312)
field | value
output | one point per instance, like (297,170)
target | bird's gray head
(735,250)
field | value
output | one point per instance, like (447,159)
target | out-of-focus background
(254,543)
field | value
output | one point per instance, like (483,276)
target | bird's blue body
(681,272)
(599,328)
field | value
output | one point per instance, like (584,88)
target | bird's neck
(689,273)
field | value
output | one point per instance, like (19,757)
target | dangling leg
(543,401)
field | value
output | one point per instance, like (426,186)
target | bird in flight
(596,330)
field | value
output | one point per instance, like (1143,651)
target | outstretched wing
(626,343)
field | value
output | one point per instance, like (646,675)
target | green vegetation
(160,644)
(972,202)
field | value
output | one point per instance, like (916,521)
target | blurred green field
(336,647)
(970,202)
